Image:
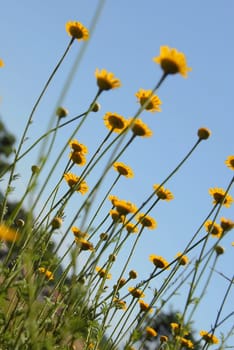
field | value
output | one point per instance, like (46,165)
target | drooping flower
(213,228)
(230,162)
(151,332)
(72,181)
(102,273)
(163,193)
(153,104)
(135,292)
(147,221)
(140,129)
(172,61)
(77,30)
(203,133)
(208,337)
(159,261)
(226,224)
(8,234)
(123,169)
(106,80)
(218,196)
(144,306)
(115,122)
(182,259)
(48,274)
(77,146)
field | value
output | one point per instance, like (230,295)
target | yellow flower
(84,244)
(147,221)
(123,207)
(140,129)
(226,224)
(57,222)
(106,80)
(48,274)
(123,169)
(72,180)
(230,162)
(175,327)
(151,332)
(78,147)
(185,342)
(116,216)
(77,30)
(144,306)
(131,228)
(172,61)
(78,158)
(163,193)
(113,199)
(8,234)
(218,196)
(159,261)
(208,337)
(182,259)
(1,63)
(103,273)
(203,133)
(78,233)
(115,122)
(153,104)
(136,293)
(120,304)
(216,230)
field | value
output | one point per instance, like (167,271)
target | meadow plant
(73,300)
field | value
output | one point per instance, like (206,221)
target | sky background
(128,34)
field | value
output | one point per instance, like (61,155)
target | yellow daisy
(144,306)
(140,129)
(218,196)
(230,162)
(106,80)
(115,122)
(8,234)
(135,292)
(131,228)
(147,221)
(163,193)
(77,30)
(172,61)
(103,273)
(120,304)
(84,244)
(48,274)
(159,261)
(124,207)
(187,343)
(226,224)
(123,169)
(77,146)
(182,259)
(72,180)
(153,101)
(215,231)
(113,198)
(116,216)
(78,233)
(208,337)
(78,158)
(151,332)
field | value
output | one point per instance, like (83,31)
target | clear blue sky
(127,36)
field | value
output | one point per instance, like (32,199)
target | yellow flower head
(226,224)
(78,147)
(77,158)
(185,342)
(153,101)
(140,129)
(123,169)
(218,196)
(163,193)
(106,80)
(213,228)
(230,162)
(203,133)
(123,207)
(48,274)
(131,228)
(78,233)
(151,332)
(8,234)
(1,63)
(172,61)
(84,244)
(182,259)
(159,261)
(103,273)
(61,112)
(208,337)
(120,304)
(147,221)
(136,293)
(175,327)
(72,181)
(115,122)
(144,306)
(113,199)
(116,216)
(77,30)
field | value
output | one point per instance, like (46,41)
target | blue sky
(127,36)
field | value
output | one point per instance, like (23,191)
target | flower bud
(203,133)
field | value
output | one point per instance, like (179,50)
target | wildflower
(163,193)
(213,228)
(218,196)
(172,61)
(219,250)
(61,112)
(208,337)
(182,259)
(84,244)
(131,228)
(230,162)
(78,233)
(144,306)
(1,63)
(77,146)
(153,104)
(123,207)
(113,199)
(115,122)
(136,293)
(123,169)
(120,304)
(151,332)
(175,327)
(56,222)
(226,224)
(116,216)
(132,274)
(72,181)
(140,129)
(185,342)
(8,234)
(103,273)
(106,80)
(159,261)
(48,274)
(163,338)
(203,133)
(78,158)
(147,221)
(77,30)
(121,282)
